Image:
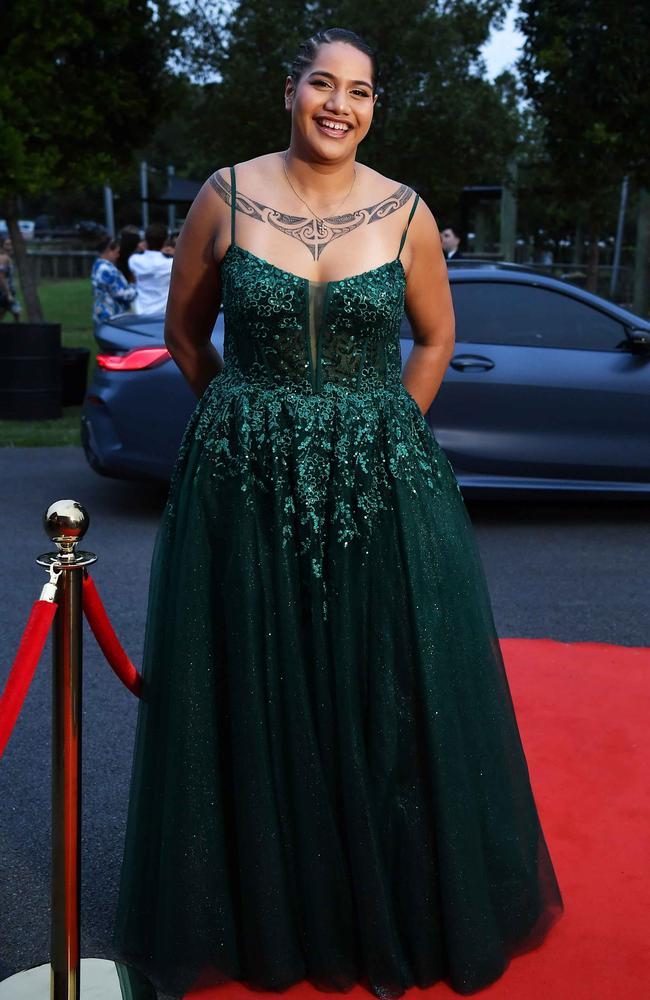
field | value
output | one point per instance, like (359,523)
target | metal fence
(576,275)
(61,264)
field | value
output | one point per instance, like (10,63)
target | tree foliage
(586,72)
(81,85)
(438,122)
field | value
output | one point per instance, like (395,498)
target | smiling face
(332,104)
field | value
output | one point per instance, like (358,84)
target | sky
(502,48)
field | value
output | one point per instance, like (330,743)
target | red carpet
(583,711)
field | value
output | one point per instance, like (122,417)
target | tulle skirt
(328,779)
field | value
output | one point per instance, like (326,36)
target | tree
(586,71)
(81,85)
(438,123)
(247,47)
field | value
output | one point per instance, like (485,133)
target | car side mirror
(638,340)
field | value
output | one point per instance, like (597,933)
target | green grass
(42,433)
(70,304)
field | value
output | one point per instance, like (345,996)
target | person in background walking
(152,270)
(450,243)
(8,298)
(130,242)
(112,292)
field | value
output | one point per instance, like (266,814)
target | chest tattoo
(315,235)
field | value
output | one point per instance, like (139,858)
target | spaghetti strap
(233,199)
(413,207)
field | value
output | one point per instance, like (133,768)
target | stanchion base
(100,979)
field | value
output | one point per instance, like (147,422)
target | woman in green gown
(328,778)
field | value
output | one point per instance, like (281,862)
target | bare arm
(195,293)
(429,309)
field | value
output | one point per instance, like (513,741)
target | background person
(152,270)
(170,245)
(130,242)
(8,297)
(450,240)
(112,294)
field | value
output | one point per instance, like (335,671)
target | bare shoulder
(378,188)
(211,207)
(256,170)
(423,242)
(424,222)
(255,175)
(261,173)
(219,183)
(209,216)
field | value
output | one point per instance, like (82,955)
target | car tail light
(135,360)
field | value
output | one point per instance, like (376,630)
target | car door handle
(471,362)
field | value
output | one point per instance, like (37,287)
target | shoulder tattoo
(314,235)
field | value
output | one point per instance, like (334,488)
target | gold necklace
(317,217)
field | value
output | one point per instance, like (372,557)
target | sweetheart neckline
(300,277)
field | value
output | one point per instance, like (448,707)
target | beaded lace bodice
(281,327)
(310,402)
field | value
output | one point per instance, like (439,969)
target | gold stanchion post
(67,976)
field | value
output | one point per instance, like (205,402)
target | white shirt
(152,271)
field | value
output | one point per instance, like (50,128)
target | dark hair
(129,239)
(309,50)
(106,243)
(155,235)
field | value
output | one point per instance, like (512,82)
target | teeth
(333,125)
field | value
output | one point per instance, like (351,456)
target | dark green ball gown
(328,779)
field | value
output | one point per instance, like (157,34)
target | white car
(26,228)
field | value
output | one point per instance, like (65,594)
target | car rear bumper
(115,446)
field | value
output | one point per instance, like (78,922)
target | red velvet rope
(31,646)
(24,666)
(109,644)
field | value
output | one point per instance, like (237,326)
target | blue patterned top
(113,293)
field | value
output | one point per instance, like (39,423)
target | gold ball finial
(65,523)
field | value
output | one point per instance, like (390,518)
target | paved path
(568,571)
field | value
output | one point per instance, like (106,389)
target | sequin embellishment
(278,416)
